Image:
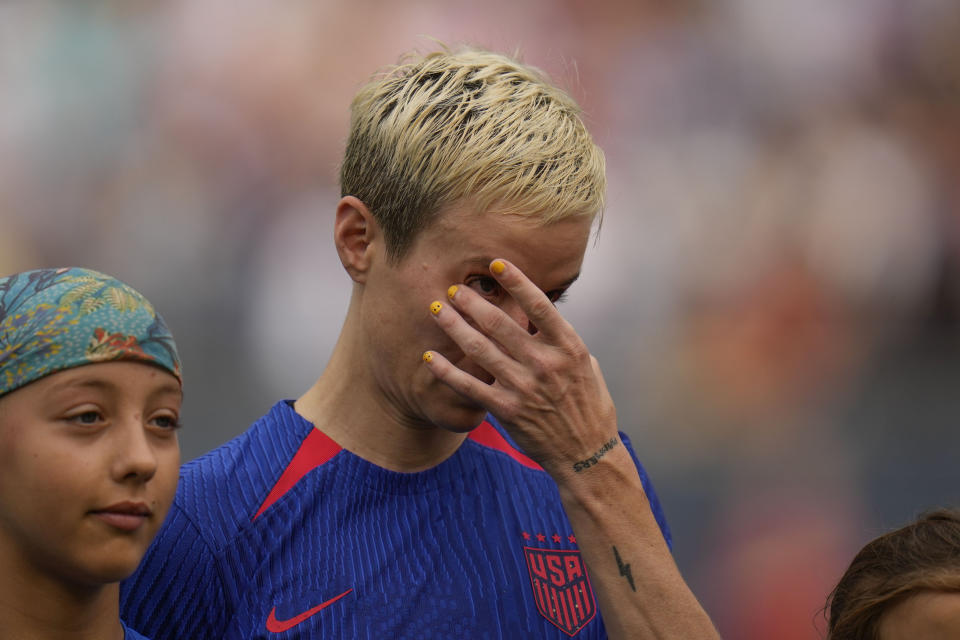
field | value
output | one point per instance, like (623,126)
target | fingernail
(452,291)
(435,308)
(498,266)
(428,356)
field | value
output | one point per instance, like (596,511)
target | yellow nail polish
(452,291)
(435,308)
(497,267)
(428,356)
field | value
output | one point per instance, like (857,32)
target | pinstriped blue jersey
(130,634)
(282,534)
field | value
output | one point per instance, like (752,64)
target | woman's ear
(355,233)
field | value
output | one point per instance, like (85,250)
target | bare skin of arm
(550,395)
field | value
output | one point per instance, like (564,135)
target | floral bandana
(55,319)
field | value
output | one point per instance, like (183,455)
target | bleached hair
(468,126)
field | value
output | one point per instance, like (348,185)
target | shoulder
(222,490)
(490,440)
(494,443)
(190,576)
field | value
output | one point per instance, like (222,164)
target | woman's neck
(346,405)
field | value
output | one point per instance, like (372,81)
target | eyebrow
(104,385)
(85,383)
(167,388)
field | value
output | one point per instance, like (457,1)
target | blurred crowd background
(774,295)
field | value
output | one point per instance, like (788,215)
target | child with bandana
(90,393)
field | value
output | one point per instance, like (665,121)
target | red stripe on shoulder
(487,435)
(316,449)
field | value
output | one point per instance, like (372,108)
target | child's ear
(356,235)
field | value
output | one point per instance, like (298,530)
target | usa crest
(561,588)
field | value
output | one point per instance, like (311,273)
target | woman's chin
(460,415)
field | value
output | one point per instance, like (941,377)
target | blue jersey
(130,634)
(282,534)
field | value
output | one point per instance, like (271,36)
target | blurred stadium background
(774,295)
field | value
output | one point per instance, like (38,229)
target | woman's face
(89,460)
(457,248)
(931,615)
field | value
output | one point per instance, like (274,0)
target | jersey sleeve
(652,497)
(178,591)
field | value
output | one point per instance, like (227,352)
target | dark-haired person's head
(902,585)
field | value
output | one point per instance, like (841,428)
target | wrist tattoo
(624,569)
(595,458)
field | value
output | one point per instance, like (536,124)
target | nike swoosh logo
(279,626)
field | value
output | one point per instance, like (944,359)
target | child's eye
(166,422)
(86,418)
(484,285)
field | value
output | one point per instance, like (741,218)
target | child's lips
(126,516)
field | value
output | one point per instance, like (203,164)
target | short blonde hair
(468,126)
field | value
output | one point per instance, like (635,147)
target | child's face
(89,460)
